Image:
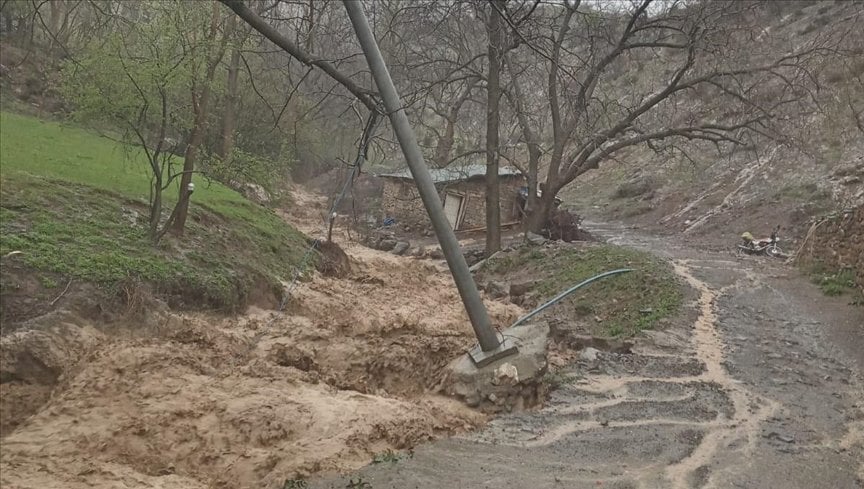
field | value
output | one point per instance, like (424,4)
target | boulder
(589,354)
(534,238)
(400,248)
(387,244)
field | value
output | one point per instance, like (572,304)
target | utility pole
(489,344)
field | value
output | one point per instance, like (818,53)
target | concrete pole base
(504,379)
(482,358)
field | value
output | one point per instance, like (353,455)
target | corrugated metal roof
(455,173)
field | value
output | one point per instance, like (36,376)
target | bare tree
(596,110)
(495,31)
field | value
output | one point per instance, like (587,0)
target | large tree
(619,75)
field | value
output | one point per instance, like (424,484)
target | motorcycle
(764,246)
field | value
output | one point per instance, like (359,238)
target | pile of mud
(208,401)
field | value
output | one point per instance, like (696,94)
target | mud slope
(205,401)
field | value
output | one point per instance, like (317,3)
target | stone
(506,374)
(534,238)
(256,193)
(520,288)
(464,380)
(386,244)
(400,248)
(477,266)
(589,354)
(436,254)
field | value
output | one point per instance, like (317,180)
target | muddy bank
(205,401)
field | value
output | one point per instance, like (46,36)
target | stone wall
(838,242)
(400,200)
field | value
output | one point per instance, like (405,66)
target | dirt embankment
(209,401)
(837,242)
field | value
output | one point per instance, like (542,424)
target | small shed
(462,190)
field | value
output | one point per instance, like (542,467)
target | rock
(436,254)
(534,239)
(477,266)
(506,374)
(256,193)
(386,244)
(647,310)
(466,381)
(520,288)
(400,248)
(851,179)
(497,290)
(589,354)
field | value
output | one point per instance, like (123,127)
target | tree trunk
(156,210)
(229,116)
(201,107)
(538,217)
(493,96)
(445,144)
(190,157)
(533,170)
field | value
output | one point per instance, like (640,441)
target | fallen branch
(61,293)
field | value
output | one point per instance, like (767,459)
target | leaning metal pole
(449,245)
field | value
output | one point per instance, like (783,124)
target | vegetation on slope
(621,305)
(75,205)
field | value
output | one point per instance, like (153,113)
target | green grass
(75,204)
(832,282)
(625,304)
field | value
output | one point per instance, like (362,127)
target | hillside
(74,208)
(703,193)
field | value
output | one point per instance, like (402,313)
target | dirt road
(759,386)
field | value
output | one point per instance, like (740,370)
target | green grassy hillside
(75,205)
(619,306)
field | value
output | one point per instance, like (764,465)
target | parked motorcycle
(764,246)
